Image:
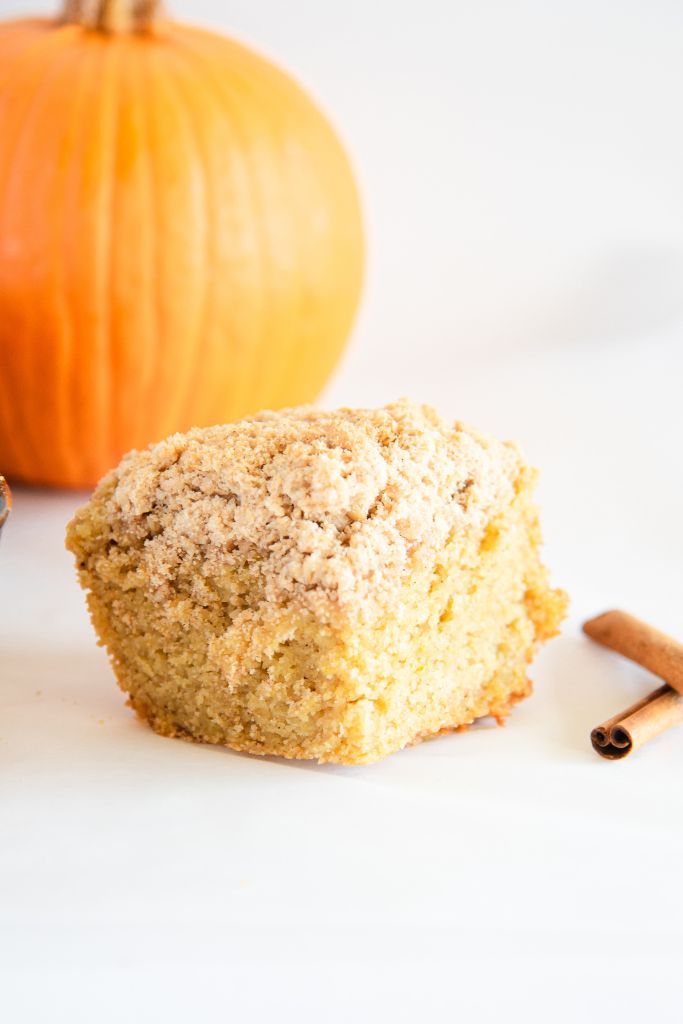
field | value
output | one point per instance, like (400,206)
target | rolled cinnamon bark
(641,643)
(628,731)
(659,653)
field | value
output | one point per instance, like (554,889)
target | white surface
(522,173)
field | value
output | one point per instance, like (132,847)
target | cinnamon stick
(641,643)
(663,708)
(629,730)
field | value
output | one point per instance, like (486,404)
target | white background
(522,172)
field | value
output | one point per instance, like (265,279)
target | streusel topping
(331,505)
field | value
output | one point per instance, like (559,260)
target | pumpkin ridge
(185,382)
(65,433)
(211,249)
(228,100)
(297,350)
(302,348)
(273,88)
(20,360)
(253,364)
(133,419)
(286,356)
(33,41)
(151,353)
(101,404)
(105,366)
(253,73)
(273,109)
(170,344)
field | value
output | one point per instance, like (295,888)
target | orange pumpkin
(180,237)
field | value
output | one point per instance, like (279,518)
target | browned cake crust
(322,585)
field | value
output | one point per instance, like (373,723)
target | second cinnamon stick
(630,729)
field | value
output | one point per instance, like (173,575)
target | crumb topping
(325,506)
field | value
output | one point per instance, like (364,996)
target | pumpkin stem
(112,16)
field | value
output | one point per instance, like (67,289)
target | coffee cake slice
(327,585)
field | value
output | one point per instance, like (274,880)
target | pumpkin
(180,237)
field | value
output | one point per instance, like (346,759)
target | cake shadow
(347,770)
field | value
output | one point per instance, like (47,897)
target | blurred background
(520,166)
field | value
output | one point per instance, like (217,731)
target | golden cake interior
(330,588)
